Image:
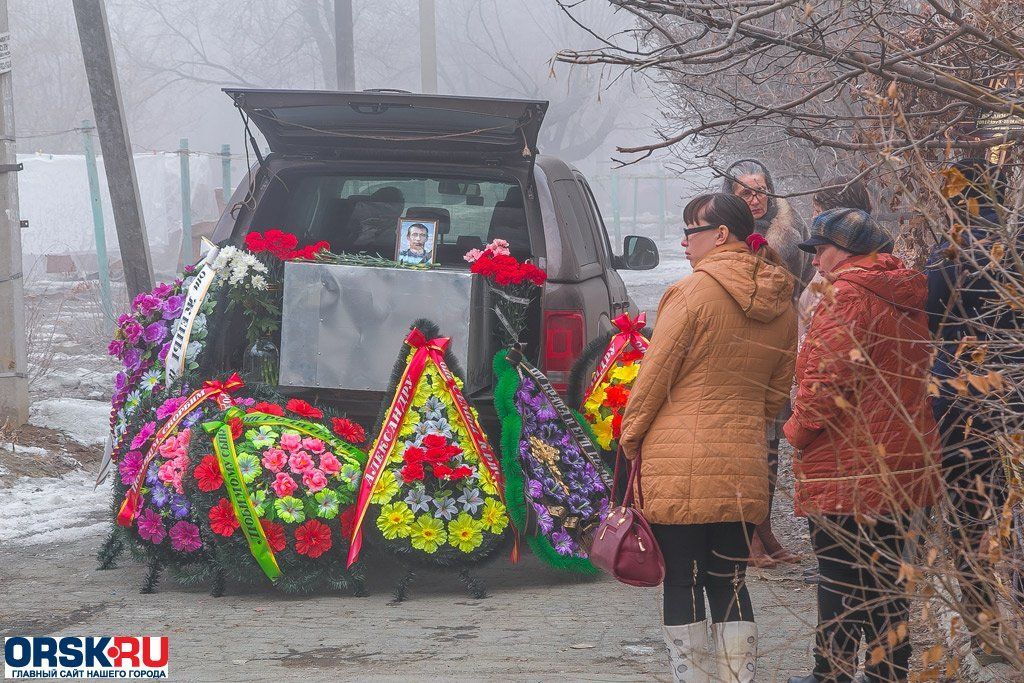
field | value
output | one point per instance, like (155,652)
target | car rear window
(360,214)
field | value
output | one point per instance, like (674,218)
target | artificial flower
(314,480)
(445,506)
(385,488)
(275,535)
(395,520)
(327,504)
(427,534)
(267,408)
(290,509)
(470,499)
(329,463)
(563,543)
(625,374)
(222,518)
(151,526)
(313,539)
(495,516)
(154,333)
(237,426)
(130,466)
(274,459)
(460,472)
(143,436)
(350,474)
(207,474)
(185,537)
(412,471)
(259,501)
(284,485)
(179,505)
(304,409)
(617,396)
(465,533)
(300,462)
(159,494)
(418,499)
(314,446)
(291,440)
(262,437)
(603,432)
(249,466)
(348,430)
(151,379)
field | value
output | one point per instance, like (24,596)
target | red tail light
(564,336)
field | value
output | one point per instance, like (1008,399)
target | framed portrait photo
(416,241)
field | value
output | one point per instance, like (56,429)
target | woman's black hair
(719,208)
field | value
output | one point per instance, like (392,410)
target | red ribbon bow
(627,324)
(418,340)
(232,383)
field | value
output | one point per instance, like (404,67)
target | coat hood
(886,277)
(764,291)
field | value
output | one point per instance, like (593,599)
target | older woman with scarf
(718,369)
(775,219)
(866,445)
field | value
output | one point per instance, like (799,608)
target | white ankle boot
(736,651)
(688,652)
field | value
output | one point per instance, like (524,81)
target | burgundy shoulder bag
(624,544)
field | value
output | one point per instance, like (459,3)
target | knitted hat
(852,230)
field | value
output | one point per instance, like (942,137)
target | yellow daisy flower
(494,518)
(596,399)
(395,520)
(486,482)
(465,533)
(427,534)
(385,489)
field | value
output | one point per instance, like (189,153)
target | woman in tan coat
(717,372)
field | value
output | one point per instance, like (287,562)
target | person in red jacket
(867,442)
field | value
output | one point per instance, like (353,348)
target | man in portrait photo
(416,253)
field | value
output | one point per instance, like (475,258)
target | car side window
(596,213)
(580,225)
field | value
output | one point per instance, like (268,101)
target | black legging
(705,559)
(858,593)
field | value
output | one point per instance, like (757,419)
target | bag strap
(634,478)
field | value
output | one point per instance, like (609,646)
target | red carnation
(460,472)
(275,535)
(303,409)
(237,426)
(255,242)
(279,243)
(630,356)
(348,430)
(434,441)
(348,521)
(207,474)
(414,454)
(222,518)
(617,425)
(313,539)
(412,471)
(442,471)
(617,396)
(268,408)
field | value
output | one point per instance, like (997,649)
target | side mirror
(639,253)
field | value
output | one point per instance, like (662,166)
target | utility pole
(98,54)
(344,45)
(13,357)
(428,47)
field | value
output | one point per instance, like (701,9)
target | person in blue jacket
(966,307)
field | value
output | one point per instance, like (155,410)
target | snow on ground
(52,509)
(83,420)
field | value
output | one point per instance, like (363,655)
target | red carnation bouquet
(513,283)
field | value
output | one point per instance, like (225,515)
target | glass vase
(261,362)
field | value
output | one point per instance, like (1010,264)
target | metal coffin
(343,326)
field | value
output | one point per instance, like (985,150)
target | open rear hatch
(372,124)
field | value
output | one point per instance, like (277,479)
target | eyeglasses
(751,192)
(689,232)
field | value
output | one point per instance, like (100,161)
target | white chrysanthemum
(258,282)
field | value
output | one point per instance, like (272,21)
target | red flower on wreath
(348,430)
(348,521)
(616,426)
(304,409)
(313,539)
(237,427)
(617,396)
(275,535)
(207,474)
(412,471)
(268,408)
(222,518)
(631,356)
